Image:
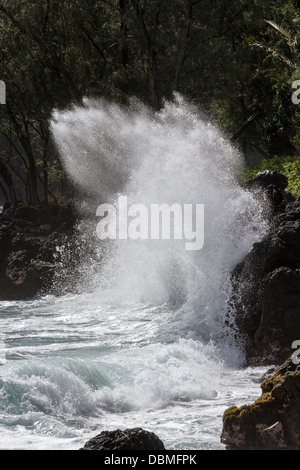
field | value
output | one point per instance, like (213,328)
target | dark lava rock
(267,178)
(270,186)
(267,290)
(272,422)
(29,241)
(129,439)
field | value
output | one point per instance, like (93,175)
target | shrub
(288,166)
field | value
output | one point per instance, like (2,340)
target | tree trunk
(151,52)
(45,175)
(184,44)
(13,195)
(4,192)
(34,197)
(123,30)
(152,77)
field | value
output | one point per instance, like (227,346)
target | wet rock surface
(272,422)
(128,439)
(267,286)
(267,303)
(30,241)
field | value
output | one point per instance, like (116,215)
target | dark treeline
(236,60)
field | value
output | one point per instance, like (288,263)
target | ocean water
(148,338)
(71,368)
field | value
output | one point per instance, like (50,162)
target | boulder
(270,187)
(128,439)
(267,178)
(272,422)
(29,241)
(266,286)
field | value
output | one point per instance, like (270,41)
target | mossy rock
(273,420)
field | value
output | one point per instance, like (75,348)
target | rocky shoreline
(272,422)
(267,281)
(127,439)
(267,305)
(266,300)
(31,240)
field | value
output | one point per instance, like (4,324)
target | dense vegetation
(236,60)
(286,165)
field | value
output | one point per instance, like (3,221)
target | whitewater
(147,339)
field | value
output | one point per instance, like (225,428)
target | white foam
(146,345)
(172,156)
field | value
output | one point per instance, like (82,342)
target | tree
(231,58)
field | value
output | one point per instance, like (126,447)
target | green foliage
(236,60)
(287,165)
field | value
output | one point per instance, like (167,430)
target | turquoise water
(143,342)
(71,367)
